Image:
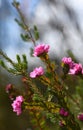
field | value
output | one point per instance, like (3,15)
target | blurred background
(60,24)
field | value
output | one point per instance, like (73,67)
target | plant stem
(26,27)
(38,123)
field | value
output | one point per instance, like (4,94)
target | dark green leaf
(36,33)
(20,23)
(18,58)
(24,58)
(25,37)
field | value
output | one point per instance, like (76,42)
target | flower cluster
(40,49)
(61,123)
(80,117)
(17,103)
(68,61)
(9,88)
(63,112)
(74,68)
(37,72)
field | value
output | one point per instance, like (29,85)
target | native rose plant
(39,103)
(46,96)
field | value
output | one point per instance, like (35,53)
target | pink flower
(61,123)
(82,70)
(76,69)
(63,112)
(37,72)
(80,117)
(9,88)
(17,105)
(68,61)
(41,48)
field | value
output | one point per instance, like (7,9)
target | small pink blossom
(68,61)
(37,72)
(80,117)
(63,112)
(76,69)
(61,123)
(41,48)
(17,104)
(9,87)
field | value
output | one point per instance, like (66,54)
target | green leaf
(24,58)
(49,75)
(31,52)
(35,28)
(36,33)
(36,97)
(24,66)
(15,3)
(2,64)
(25,37)
(42,123)
(20,23)
(18,58)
